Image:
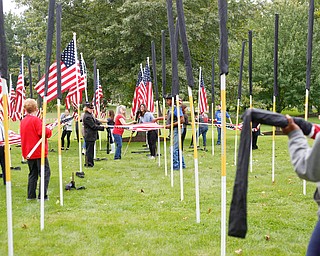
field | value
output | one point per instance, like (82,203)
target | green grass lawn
(130,208)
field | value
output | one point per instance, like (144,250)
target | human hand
(291,126)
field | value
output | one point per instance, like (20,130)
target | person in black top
(91,128)
(255,134)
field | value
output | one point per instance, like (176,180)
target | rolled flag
(154,69)
(184,41)
(173,49)
(212,83)
(58,50)
(309,47)
(223,54)
(30,77)
(241,70)
(250,62)
(163,62)
(275,59)
(49,43)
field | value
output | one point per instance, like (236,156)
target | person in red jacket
(31,132)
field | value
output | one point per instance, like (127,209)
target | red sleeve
(315,130)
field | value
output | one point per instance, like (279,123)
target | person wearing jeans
(119,120)
(176,158)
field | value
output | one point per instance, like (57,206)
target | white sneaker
(152,157)
(83,151)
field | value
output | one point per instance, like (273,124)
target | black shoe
(62,148)
(67,148)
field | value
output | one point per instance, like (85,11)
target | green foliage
(130,208)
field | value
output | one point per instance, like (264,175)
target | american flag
(72,99)
(12,102)
(203,101)
(83,74)
(98,95)
(139,95)
(20,93)
(68,74)
(148,84)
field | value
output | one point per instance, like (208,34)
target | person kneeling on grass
(31,132)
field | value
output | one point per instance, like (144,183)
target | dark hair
(111,114)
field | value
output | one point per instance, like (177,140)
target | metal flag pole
(212,106)
(163,66)
(155,83)
(188,67)
(3,77)
(48,58)
(308,73)
(59,94)
(223,63)
(250,88)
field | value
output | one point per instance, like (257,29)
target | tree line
(118,35)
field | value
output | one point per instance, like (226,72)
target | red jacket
(31,132)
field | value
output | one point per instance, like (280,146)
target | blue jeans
(118,141)
(203,131)
(176,162)
(314,245)
(219,135)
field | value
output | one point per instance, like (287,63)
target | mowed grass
(130,208)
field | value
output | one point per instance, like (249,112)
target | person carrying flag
(31,133)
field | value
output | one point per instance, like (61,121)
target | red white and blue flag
(20,94)
(139,96)
(203,100)
(148,84)
(68,74)
(98,95)
(73,98)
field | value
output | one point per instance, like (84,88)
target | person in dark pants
(91,128)
(66,120)
(255,134)
(2,155)
(146,116)
(185,123)
(31,132)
